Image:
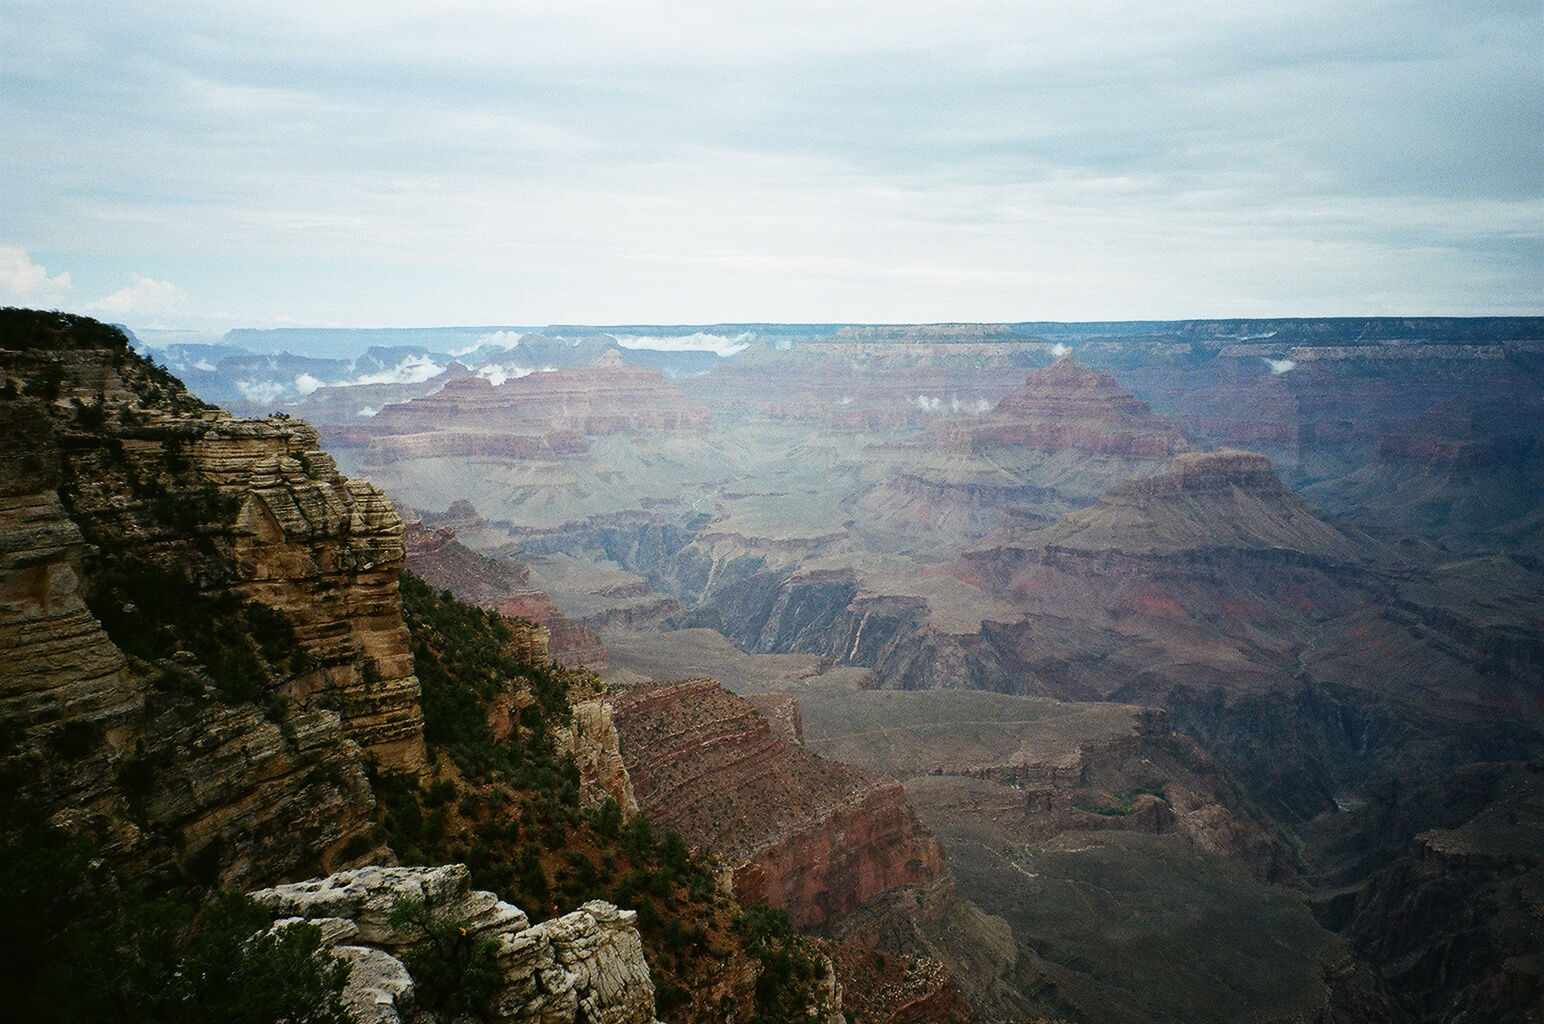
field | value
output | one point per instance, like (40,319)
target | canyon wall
(437,557)
(203,616)
(814,836)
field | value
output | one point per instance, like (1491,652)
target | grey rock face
(583,966)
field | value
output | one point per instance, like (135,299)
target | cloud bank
(141,295)
(672,162)
(24,281)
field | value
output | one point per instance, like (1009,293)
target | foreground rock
(587,966)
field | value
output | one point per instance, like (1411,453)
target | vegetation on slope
(79,947)
(508,805)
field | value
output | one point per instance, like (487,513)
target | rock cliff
(1440,883)
(1227,499)
(810,835)
(1054,444)
(586,967)
(1231,602)
(1067,405)
(1041,768)
(538,418)
(203,615)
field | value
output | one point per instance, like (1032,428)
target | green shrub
(77,947)
(453,971)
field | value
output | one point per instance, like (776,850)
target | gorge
(1081,672)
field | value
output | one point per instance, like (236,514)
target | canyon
(1310,544)
(1117,672)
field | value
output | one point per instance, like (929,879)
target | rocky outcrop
(816,837)
(591,736)
(587,966)
(324,552)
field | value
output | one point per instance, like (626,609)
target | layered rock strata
(202,617)
(1053,445)
(1225,598)
(586,967)
(810,835)
(551,413)
(324,552)
(1067,405)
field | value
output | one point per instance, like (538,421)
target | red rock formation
(1202,500)
(831,866)
(1068,406)
(816,837)
(503,585)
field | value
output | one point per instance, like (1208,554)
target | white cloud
(305,383)
(503,339)
(141,295)
(260,390)
(412,370)
(22,280)
(1281,366)
(927,403)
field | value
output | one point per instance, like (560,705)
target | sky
(207,165)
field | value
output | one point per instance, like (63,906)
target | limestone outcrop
(591,736)
(587,966)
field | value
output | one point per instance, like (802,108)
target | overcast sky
(499,161)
